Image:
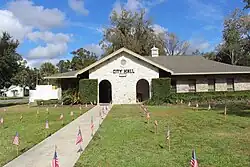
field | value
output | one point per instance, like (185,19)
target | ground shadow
(10,104)
(239,109)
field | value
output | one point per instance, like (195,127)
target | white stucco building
(15,91)
(125,77)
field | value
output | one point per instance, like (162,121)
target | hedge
(161,90)
(214,97)
(48,102)
(88,90)
(10,98)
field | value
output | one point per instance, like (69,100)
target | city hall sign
(123,72)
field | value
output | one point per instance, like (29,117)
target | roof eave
(213,73)
(62,77)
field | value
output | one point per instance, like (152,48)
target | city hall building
(124,77)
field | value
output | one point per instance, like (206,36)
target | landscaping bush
(71,96)
(212,97)
(161,91)
(10,98)
(88,90)
(47,102)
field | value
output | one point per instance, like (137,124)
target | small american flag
(55,162)
(79,137)
(16,139)
(197,105)
(156,123)
(1,120)
(148,115)
(194,162)
(168,134)
(47,125)
(21,117)
(61,117)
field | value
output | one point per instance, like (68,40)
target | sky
(48,30)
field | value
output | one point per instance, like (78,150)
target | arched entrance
(105,92)
(142,90)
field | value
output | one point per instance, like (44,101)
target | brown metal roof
(193,65)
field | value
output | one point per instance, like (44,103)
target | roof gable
(117,53)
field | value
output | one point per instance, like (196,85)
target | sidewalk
(42,154)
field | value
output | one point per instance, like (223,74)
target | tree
(47,69)
(133,31)
(234,48)
(82,58)
(64,66)
(10,60)
(174,46)
(25,77)
(247,4)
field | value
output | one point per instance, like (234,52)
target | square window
(192,85)
(211,85)
(230,84)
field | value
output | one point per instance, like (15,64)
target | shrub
(88,90)
(70,96)
(212,97)
(48,102)
(161,91)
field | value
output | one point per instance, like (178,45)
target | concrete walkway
(41,155)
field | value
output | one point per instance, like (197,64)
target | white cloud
(198,44)
(204,11)
(135,5)
(48,51)
(78,6)
(36,16)
(49,37)
(95,48)
(13,26)
(159,29)
(38,62)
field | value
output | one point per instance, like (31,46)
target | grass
(126,140)
(32,127)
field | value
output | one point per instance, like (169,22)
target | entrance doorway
(142,90)
(105,92)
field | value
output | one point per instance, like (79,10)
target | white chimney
(155,52)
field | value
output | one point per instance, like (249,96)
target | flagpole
(17,150)
(169,144)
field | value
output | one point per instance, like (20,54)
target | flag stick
(169,144)
(17,150)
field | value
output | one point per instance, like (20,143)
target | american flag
(47,125)
(61,116)
(16,139)
(194,162)
(79,137)
(1,120)
(55,162)
(92,123)
(168,134)
(21,117)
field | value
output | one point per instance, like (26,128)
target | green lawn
(125,140)
(32,128)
